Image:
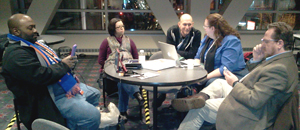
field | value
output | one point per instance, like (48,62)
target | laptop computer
(169,58)
(168,50)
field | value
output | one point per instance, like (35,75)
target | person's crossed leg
(202,106)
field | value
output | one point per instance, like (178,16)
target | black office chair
(296,47)
(63,51)
(3,45)
(103,82)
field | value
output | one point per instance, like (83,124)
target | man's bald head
(23,26)
(15,21)
(186,17)
(185,24)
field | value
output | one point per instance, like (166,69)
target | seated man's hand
(70,61)
(258,53)
(77,79)
(230,77)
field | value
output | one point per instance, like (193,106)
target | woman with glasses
(107,54)
(220,49)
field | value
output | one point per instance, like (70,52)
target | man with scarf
(42,83)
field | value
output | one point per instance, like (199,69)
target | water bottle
(142,57)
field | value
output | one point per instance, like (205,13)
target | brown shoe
(186,104)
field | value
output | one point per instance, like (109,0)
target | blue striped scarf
(67,82)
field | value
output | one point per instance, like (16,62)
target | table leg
(154,108)
(104,89)
(141,91)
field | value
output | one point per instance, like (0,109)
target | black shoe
(160,99)
(192,102)
(139,98)
(186,104)
(123,117)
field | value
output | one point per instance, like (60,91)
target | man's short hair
(112,26)
(284,32)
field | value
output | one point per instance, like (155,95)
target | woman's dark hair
(222,28)
(112,26)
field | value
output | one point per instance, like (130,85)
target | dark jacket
(190,46)
(28,81)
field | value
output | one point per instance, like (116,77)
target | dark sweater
(189,49)
(28,81)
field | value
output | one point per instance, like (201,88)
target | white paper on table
(147,75)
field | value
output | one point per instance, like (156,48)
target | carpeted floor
(87,70)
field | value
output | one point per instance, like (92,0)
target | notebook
(168,50)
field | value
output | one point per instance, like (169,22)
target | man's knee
(97,92)
(91,120)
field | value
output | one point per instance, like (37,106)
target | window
(94,15)
(264,12)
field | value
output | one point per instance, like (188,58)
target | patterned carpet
(88,71)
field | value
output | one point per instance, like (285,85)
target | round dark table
(167,77)
(52,39)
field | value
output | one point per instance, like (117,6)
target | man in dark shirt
(184,37)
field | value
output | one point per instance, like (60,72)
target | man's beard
(31,38)
(273,52)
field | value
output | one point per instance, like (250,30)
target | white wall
(249,41)
(90,41)
(42,15)
(5,13)
(236,10)
(200,13)
(164,13)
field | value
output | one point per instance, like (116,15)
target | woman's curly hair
(222,28)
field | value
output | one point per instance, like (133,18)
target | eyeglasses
(187,24)
(120,27)
(267,41)
(205,26)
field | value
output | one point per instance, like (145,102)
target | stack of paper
(159,64)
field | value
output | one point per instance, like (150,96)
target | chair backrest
(248,56)
(3,44)
(43,124)
(288,116)
(63,51)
